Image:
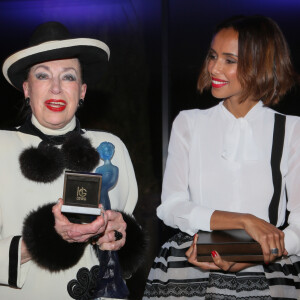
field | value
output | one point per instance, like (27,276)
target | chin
(217,95)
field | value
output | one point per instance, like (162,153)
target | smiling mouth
(218,83)
(56,104)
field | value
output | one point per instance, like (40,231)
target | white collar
(238,141)
(61,131)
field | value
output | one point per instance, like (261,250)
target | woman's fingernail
(213,253)
(195,235)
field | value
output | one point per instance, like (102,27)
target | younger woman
(234,166)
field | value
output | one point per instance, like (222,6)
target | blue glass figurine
(110,283)
(108,171)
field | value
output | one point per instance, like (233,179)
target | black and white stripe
(13,261)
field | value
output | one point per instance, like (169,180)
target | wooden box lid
(233,245)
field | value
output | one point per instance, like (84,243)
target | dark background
(157,48)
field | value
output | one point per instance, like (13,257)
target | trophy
(110,283)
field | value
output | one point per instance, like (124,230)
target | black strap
(277,149)
(13,261)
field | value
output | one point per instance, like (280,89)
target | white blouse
(219,162)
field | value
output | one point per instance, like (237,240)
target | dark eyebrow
(224,53)
(40,66)
(229,54)
(48,69)
(70,68)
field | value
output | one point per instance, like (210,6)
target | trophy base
(81,210)
(80,215)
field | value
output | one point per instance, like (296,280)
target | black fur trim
(79,154)
(45,245)
(42,164)
(132,254)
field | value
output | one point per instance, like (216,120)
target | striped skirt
(172,277)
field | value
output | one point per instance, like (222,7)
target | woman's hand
(79,233)
(108,240)
(267,235)
(217,264)
(25,256)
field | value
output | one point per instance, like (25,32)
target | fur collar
(46,162)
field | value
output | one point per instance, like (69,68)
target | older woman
(48,257)
(234,166)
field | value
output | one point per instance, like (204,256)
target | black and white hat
(51,41)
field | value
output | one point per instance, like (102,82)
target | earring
(27,101)
(80,103)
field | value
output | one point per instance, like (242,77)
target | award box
(81,196)
(233,245)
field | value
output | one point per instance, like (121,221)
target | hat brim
(92,54)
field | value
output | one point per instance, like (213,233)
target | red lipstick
(56,104)
(217,83)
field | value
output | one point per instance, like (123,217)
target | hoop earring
(80,103)
(27,101)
